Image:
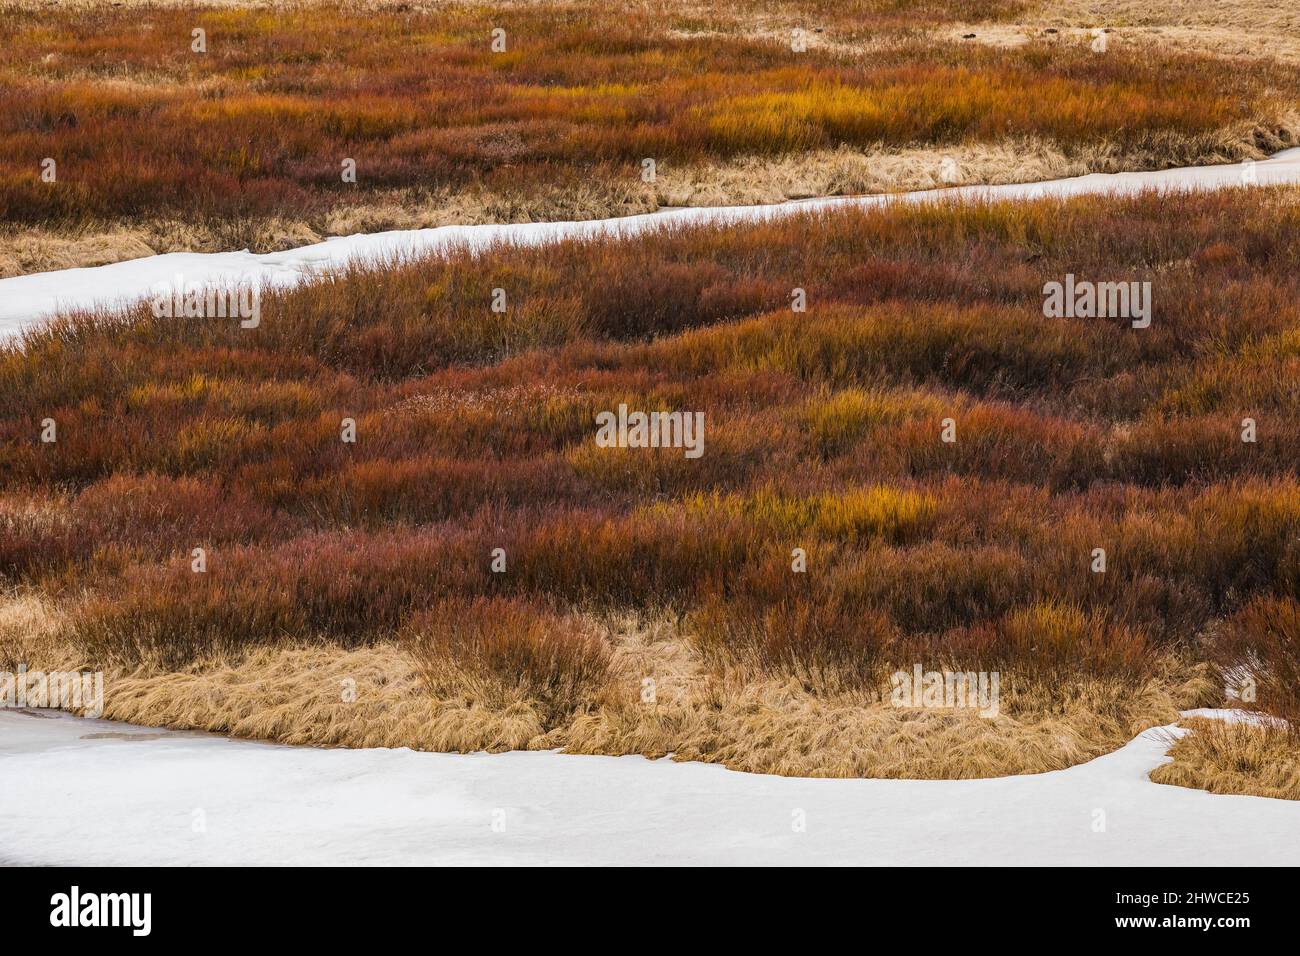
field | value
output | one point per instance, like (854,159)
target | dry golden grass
(1247,28)
(764,725)
(28,632)
(882,170)
(38,249)
(1234,758)
(377,697)
(1250,29)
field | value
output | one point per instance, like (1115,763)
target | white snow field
(26,299)
(88,792)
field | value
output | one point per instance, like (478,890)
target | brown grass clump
(319,696)
(1234,758)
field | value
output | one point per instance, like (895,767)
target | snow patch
(96,793)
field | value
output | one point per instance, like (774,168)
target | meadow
(161,147)
(491,577)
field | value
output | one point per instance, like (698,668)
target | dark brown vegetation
(475,432)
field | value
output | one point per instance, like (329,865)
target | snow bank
(1228,716)
(26,299)
(95,792)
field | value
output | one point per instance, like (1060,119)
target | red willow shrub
(824,434)
(1258,653)
(512,647)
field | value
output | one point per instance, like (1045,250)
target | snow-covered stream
(26,299)
(78,791)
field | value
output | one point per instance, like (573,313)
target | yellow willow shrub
(837,420)
(208,442)
(876,512)
(265,401)
(276,401)
(851,514)
(195,389)
(1054,636)
(763,123)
